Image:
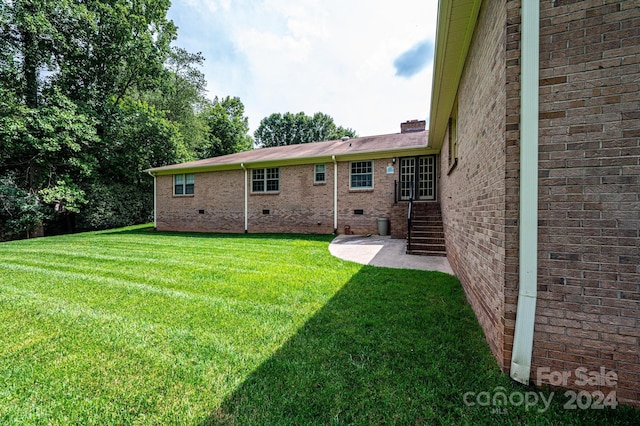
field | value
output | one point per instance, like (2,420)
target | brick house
(533,154)
(320,187)
(535,110)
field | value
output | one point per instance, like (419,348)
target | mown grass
(134,326)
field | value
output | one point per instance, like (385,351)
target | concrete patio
(384,251)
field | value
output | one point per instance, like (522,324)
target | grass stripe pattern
(136,327)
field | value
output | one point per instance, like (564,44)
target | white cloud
(208,6)
(333,56)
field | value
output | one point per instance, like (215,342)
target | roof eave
(325,158)
(456,24)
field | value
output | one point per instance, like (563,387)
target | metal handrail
(409,215)
(395,192)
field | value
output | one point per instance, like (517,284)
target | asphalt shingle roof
(366,144)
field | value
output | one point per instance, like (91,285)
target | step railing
(409,215)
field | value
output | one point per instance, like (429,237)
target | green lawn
(133,326)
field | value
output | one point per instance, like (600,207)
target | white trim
(315,173)
(246,199)
(184,184)
(155,202)
(335,194)
(455,28)
(362,188)
(265,180)
(529,103)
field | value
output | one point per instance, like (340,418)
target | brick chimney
(413,126)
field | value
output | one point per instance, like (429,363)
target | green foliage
(228,128)
(183,86)
(111,48)
(92,94)
(20,211)
(291,129)
(65,196)
(28,38)
(41,144)
(138,137)
(181,96)
(115,204)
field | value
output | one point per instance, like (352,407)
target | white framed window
(265,180)
(361,175)
(320,173)
(184,184)
(453,137)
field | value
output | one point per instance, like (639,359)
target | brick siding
(512,177)
(473,194)
(588,309)
(374,203)
(299,207)
(218,194)
(589,207)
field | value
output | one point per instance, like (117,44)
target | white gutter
(527,293)
(155,210)
(246,199)
(335,194)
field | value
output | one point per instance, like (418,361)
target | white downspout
(335,194)
(246,200)
(155,209)
(527,293)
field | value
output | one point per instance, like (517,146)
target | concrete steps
(427,231)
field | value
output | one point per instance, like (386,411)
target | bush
(20,211)
(115,205)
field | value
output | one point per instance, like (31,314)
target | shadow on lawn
(387,350)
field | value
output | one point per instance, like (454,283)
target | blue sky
(368,64)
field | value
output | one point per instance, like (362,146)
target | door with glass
(418,174)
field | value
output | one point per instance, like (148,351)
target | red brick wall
(300,207)
(588,311)
(219,194)
(374,203)
(512,178)
(589,209)
(473,194)
(412,126)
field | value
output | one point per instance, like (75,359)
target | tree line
(92,93)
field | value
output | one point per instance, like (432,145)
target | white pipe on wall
(246,199)
(335,194)
(529,102)
(155,206)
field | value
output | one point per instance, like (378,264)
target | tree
(27,38)
(322,128)
(184,85)
(181,96)
(68,71)
(291,129)
(228,128)
(45,144)
(66,199)
(45,150)
(91,94)
(138,137)
(109,49)
(20,211)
